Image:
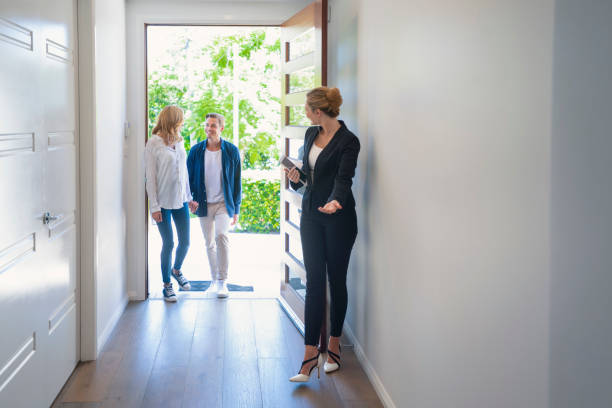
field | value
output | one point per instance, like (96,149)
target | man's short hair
(220,118)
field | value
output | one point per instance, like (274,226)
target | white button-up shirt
(167,179)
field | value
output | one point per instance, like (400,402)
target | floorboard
(209,353)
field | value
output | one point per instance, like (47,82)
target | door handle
(48,217)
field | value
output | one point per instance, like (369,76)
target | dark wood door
(304,67)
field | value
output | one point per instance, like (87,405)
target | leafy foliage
(259,113)
(212,89)
(260,208)
(165,88)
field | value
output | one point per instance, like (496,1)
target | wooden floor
(209,353)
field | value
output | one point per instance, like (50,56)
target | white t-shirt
(167,179)
(213,178)
(314,153)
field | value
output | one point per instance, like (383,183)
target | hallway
(209,353)
(480,276)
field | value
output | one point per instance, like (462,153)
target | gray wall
(342,72)
(581,203)
(449,283)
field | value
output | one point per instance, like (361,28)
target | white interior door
(38,162)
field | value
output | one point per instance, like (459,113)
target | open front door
(304,67)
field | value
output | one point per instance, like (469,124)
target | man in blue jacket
(214,179)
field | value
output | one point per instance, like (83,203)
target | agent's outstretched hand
(331,207)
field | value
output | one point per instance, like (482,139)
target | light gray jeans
(216,224)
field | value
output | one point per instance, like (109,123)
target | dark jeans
(181,220)
(327,241)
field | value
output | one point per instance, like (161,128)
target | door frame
(86,161)
(146,120)
(313,17)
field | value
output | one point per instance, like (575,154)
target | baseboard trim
(133,296)
(112,323)
(382,393)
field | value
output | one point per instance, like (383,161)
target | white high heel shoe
(305,378)
(331,367)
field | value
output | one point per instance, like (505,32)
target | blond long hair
(167,125)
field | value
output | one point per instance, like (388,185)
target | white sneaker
(222,291)
(213,287)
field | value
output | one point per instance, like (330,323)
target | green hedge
(260,208)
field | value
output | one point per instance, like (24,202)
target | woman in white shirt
(169,195)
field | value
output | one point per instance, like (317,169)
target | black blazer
(334,170)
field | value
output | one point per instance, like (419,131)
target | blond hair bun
(328,100)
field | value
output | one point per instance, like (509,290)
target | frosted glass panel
(302,45)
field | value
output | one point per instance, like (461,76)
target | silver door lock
(47,218)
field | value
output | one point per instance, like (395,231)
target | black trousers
(327,241)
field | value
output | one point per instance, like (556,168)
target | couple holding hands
(208,183)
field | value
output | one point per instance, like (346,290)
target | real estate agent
(328,224)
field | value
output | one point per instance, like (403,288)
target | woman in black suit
(328,225)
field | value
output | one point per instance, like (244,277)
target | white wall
(581,221)
(449,285)
(102,101)
(140,12)
(110,83)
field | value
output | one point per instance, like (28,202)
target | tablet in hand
(289,164)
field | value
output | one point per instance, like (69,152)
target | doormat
(201,286)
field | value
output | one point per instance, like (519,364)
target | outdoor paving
(255,259)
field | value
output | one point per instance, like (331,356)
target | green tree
(259,148)
(258,113)
(211,89)
(165,88)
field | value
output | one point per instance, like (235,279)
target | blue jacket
(232,183)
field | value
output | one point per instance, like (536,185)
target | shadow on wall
(347,58)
